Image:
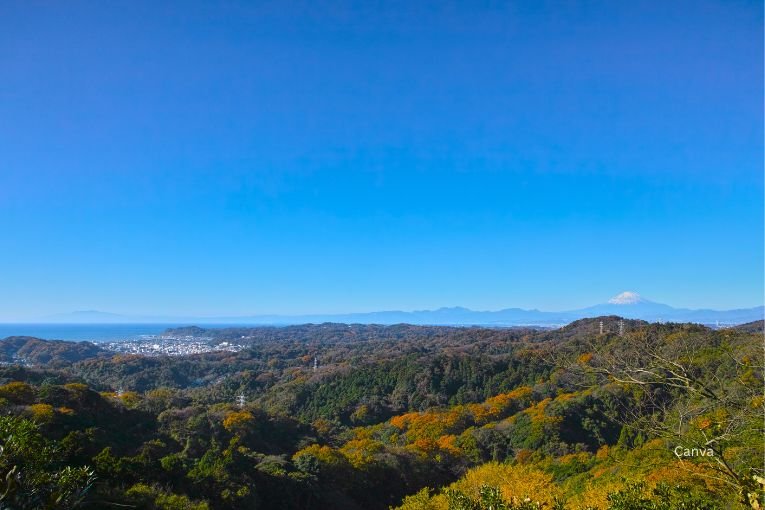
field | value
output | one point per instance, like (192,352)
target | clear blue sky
(288,157)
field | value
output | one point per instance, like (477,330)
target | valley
(411,417)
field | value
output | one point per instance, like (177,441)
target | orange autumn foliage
(448,444)
(324,454)
(238,421)
(437,423)
(17,392)
(360,452)
(41,413)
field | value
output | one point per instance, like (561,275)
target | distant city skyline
(315,158)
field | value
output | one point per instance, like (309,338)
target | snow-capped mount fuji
(626,298)
(629,305)
(632,305)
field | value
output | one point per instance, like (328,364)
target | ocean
(90,332)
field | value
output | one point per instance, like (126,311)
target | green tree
(30,476)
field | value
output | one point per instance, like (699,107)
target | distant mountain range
(629,305)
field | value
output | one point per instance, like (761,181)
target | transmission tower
(621,327)
(241,400)
(601,327)
(315,363)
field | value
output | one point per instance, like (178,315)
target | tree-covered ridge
(414,417)
(55,353)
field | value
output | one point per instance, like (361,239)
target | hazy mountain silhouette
(627,304)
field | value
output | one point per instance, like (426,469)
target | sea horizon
(90,332)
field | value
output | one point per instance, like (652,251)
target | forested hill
(29,350)
(367,417)
(350,333)
(752,327)
(344,333)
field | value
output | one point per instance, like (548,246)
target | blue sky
(290,157)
